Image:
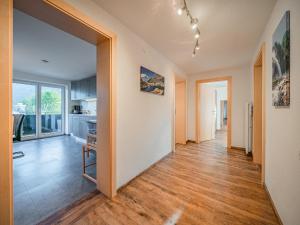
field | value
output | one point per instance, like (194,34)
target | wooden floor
(199,184)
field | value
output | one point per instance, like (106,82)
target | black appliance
(77,109)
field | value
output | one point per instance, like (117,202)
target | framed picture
(151,82)
(281,63)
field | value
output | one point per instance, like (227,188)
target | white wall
(144,121)
(241,94)
(282,125)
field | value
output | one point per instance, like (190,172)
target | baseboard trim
(273,205)
(238,148)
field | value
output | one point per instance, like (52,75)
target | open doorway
(213,110)
(258,141)
(222,116)
(180,111)
(54,109)
(55,120)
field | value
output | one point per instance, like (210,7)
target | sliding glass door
(51,110)
(43,107)
(25,102)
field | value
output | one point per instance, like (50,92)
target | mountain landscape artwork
(281,63)
(151,82)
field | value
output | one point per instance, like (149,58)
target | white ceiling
(70,58)
(230,29)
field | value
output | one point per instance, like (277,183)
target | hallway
(221,138)
(199,184)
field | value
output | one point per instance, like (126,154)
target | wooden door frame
(174,122)
(260,61)
(106,89)
(229,106)
(6,58)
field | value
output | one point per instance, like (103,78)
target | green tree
(286,51)
(50,103)
(30,105)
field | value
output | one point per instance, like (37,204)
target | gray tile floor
(48,178)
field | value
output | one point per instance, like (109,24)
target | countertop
(73,114)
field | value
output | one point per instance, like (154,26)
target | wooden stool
(86,148)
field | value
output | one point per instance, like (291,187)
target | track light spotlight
(194,23)
(179,11)
(194,53)
(197,45)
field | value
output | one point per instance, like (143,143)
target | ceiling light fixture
(194,24)
(194,53)
(179,11)
(197,35)
(197,46)
(44,60)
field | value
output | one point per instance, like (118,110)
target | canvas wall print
(281,63)
(151,82)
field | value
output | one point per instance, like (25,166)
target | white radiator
(248,127)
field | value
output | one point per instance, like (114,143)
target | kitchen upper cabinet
(74,90)
(92,87)
(84,89)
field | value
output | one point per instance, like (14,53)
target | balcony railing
(51,123)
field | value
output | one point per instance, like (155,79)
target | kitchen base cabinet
(78,124)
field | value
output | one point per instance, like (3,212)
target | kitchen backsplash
(89,106)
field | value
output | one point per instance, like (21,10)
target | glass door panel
(25,102)
(51,110)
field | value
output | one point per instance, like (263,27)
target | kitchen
(83,106)
(82,121)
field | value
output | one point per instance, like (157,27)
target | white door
(180,113)
(207,112)
(25,102)
(214,115)
(51,110)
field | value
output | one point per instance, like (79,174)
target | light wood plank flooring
(199,184)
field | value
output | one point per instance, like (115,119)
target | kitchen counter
(73,114)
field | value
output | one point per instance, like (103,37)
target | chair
(86,148)
(17,126)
